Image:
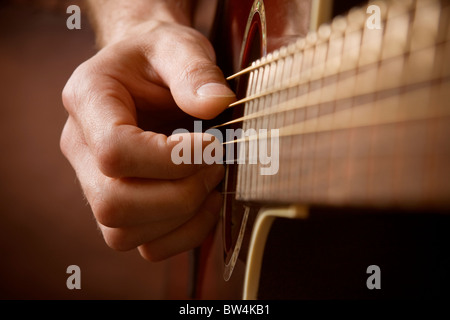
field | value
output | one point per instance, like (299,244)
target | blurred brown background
(45,225)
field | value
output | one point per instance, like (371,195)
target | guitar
(361,113)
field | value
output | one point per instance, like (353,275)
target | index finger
(104,110)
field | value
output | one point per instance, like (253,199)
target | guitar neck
(362,113)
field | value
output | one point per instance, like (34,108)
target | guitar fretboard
(363,114)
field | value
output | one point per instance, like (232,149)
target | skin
(152,74)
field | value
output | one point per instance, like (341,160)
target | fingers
(190,71)
(101,95)
(139,195)
(127,238)
(131,212)
(129,202)
(123,239)
(119,147)
(192,233)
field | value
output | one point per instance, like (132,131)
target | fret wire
(331,78)
(267,81)
(280,121)
(363,122)
(256,66)
(372,46)
(361,125)
(292,103)
(301,47)
(244,179)
(318,179)
(415,86)
(293,48)
(293,82)
(367,39)
(275,77)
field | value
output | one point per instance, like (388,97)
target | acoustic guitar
(359,96)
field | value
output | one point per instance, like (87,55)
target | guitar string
(292,104)
(339,120)
(301,44)
(361,121)
(295,81)
(292,84)
(264,112)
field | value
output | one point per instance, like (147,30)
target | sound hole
(234,210)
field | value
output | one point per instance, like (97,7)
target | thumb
(197,84)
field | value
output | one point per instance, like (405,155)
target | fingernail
(215,90)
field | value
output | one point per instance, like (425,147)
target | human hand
(122,104)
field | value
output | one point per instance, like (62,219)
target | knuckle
(105,210)
(65,142)
(70,94)
(108,156)
(118,239)
(149,253)
(196,69)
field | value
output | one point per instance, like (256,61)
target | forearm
(113,19)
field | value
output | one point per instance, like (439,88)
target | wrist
(117,20)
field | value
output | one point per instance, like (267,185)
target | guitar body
(249,37)
(256,28)
(285,240)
